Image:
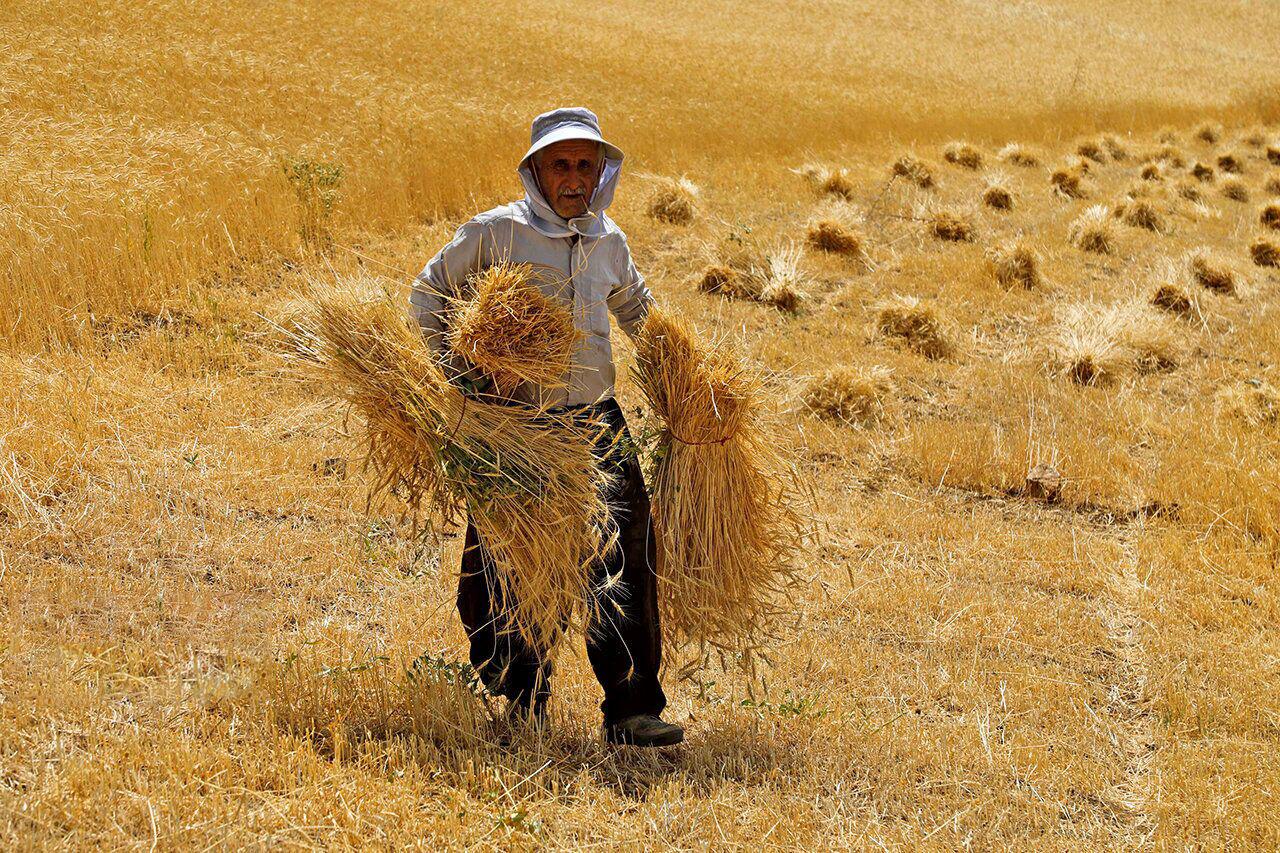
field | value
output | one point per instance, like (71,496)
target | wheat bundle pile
(527,478)
(724,507)
(508,328)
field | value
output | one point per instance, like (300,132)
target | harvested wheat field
(1038,600)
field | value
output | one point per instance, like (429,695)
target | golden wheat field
(1011,267)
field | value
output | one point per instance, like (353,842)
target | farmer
(581,259)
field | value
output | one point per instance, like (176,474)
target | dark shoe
(643,730)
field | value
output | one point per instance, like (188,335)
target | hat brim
(561,134)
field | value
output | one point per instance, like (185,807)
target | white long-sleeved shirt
(583,263)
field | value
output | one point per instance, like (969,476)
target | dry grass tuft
(1269,216)
(1170,155)
(1015,264)
(950,225)
(1083,165)
(828,181)
(1254,402)
(723,508)
(1209,132)
(1141,213)
(1272,185)
(674,200)
(1092,231)
(917,323)
(1273,155)
(835,235)
(721,279)
(781,281)
(1230,163)
(1016,154)
(1211,272)
(997,194)
(1190,191)
(1256,137)
(508,328)
(1264,252)
(1175,299)
(962,154)
(855,395)
(527,480)
(774,277)
(1235,189)
(1202,172)
(1116,148)
(1068,183)
(915,170)
(1096,345)
(1091,149)
(1151,172)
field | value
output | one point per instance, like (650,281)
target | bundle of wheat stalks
(507,327)
(527,478)
(724,504)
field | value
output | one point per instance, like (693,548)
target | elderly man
(581,258)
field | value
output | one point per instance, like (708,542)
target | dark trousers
(624,643)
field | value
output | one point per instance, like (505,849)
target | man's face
(567,174)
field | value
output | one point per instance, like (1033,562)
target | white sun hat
(568,123)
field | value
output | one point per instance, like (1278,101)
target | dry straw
(1209,132)
(915,170)
(997,195)
(1091,150)
(1175,299)
(950,225)
(782,281)
(1269,216)
(1255,402)
(774,277)
(828,181)
(962,154)
(917,323)
(1068,183)
(506,326)
(830,234)
(1230,162)
(1235,189)
(1264,252)
(674,200)
(1116,147)
(1141,213)
(1256,137)
(528,479)
(724,498)
(1189,190)
(1170,155)
(1015,264)
(1211,272)
(1092,231)
(1096,345)
(1017,155)
(858,396)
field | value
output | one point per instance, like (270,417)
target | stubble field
(210,640)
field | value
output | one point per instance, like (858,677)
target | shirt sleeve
(630,300)
(438,283)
